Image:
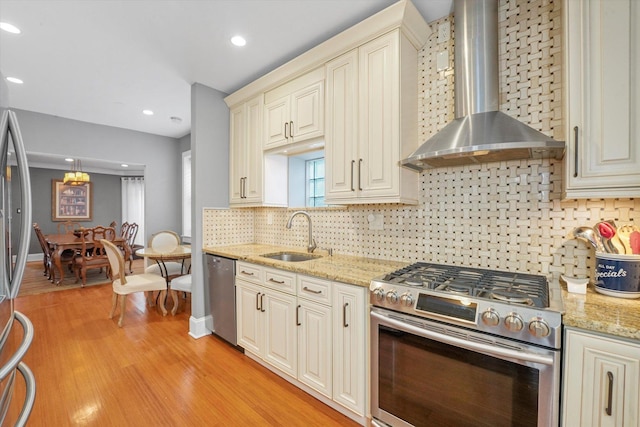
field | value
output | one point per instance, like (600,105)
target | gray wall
(106,202)
(43,133)
(209,184)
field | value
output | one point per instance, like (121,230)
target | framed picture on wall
(71,202)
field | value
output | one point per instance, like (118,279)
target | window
(186,194)
(132,190)
(315,182)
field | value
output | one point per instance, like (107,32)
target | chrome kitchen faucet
(312,243)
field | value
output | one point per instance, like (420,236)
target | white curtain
(133,204)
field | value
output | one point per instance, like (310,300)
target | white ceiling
(104,61)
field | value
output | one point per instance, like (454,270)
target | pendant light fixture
(75,176)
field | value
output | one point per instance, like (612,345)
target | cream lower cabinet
(371,122)
(313,330)
(315,354)
(602,57)
(350,347)
(266,317)
(601,381)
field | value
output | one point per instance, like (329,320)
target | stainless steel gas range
(465,346)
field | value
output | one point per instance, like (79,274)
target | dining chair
(124,285)
(179,284)
(47,255)
(93,253)
(166,242)
(68,227)
(129,237)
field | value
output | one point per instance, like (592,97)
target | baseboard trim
(198,327)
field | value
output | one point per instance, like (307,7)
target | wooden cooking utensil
(624,233)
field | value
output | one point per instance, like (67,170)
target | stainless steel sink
(291,256)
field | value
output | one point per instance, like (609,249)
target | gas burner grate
(518,288)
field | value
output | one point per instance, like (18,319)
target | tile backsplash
(504,215)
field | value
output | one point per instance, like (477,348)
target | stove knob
(490,317)
(378,293)
(392,297)
(406,299)
(539,328)
(514,322)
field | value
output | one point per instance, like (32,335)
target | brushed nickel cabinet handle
(285,130)
(575,152)
(360,175)
(353,163)
(258,301)
(311,290)
(298,316)
(608,409)
(344,315)
(272,280)
(246,272)
(262,303)
(291,129)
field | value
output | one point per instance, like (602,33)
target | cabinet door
(601,62)
(307,113)
(248,317)
(601,381)
(280,342)
(253,185)
(277,115)
(379,113)
(349,344)
(315,346)
(237,154)
(341,148)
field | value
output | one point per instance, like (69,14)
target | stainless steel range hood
(480,133)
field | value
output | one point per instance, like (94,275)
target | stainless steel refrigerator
(16,330)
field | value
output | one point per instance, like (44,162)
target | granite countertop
(341,268)
(593,311)
(601,313)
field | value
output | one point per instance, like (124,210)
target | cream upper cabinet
(294,112)
(246,159)
(256,178)
(601,381)
(372,122)
(602,84)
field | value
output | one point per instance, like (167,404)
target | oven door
(428,374)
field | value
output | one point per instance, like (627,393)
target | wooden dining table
(62,242)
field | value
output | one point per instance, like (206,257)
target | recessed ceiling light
(68,159)
(14,80)
(147,112)
(238,41)
(124,165)
(9,28)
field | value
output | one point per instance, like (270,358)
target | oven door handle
(469,345)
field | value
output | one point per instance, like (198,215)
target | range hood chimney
(480,133)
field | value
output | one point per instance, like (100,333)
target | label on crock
(618,275)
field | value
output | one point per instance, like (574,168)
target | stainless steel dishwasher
(222,296)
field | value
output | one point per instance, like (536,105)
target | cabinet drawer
(314,289)
(280,280)
(250,272)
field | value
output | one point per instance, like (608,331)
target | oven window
(427,383)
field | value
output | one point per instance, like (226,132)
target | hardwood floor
(150,372)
